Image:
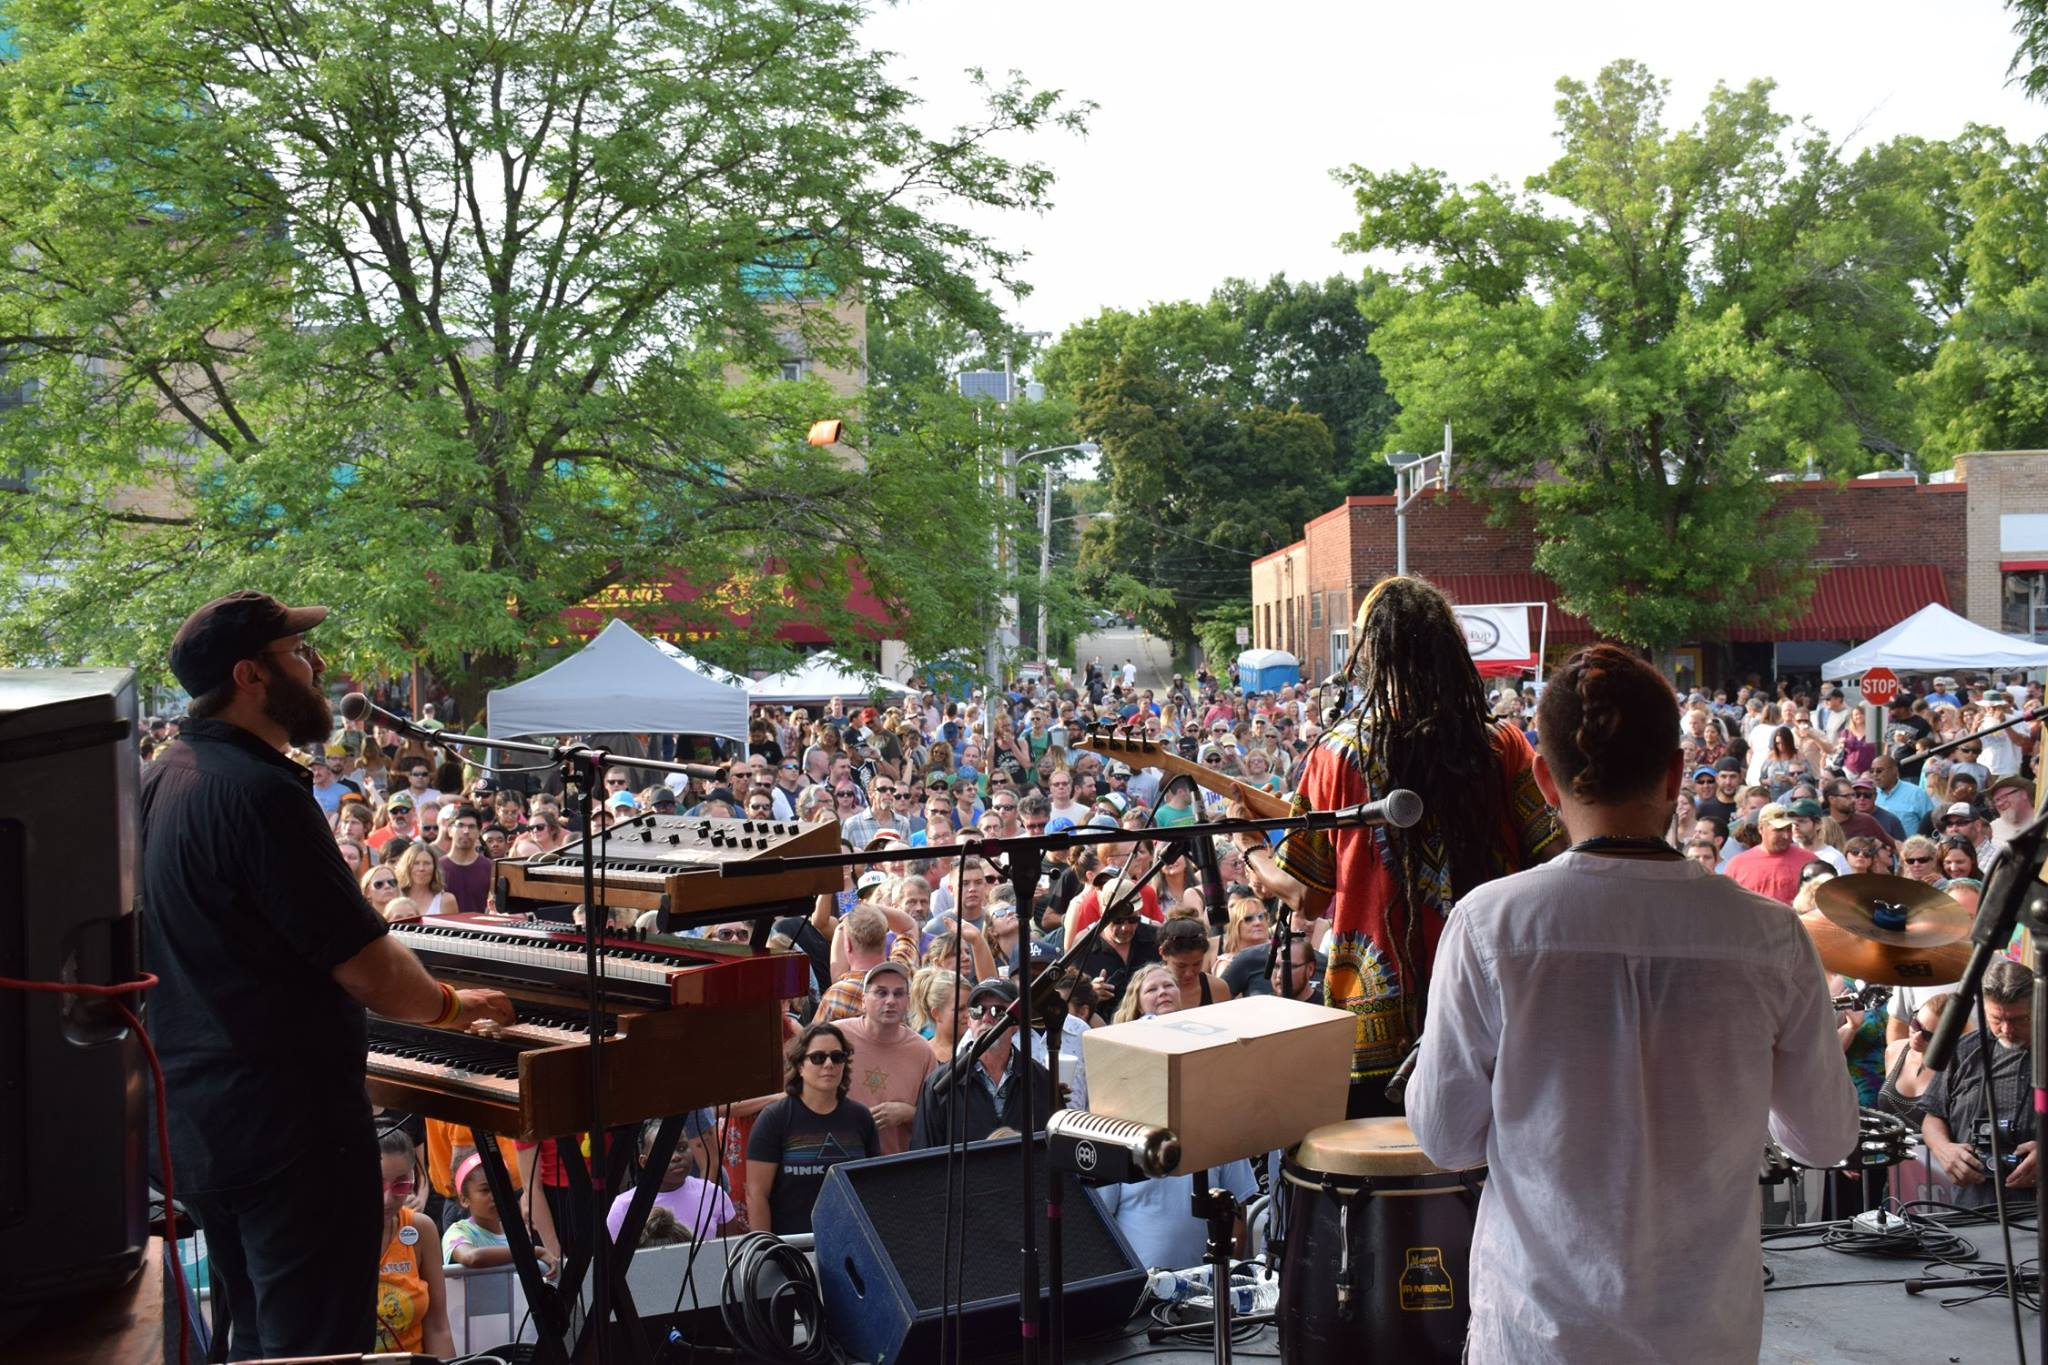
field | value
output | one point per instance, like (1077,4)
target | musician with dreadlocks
(1421,722)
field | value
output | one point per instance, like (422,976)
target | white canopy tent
(621,682)
(820,678)
(697,665)
(1936,640)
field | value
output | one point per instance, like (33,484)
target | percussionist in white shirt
(1614,1034)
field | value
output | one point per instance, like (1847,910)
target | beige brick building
(2007,557)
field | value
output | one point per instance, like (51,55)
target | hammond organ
(687,1023)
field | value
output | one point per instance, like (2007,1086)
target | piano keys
(689,1023)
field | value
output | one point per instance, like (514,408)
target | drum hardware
(1889,931)
(1882,1140)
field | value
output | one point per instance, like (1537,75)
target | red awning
(1487,589)
(1857,601)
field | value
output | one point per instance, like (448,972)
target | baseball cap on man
(869,881)
(1700,772)
(993,986)
(885,965)
(1961,810)
(1774,816)
(230,629)
(1728,765)
(398,801)
(1812,810)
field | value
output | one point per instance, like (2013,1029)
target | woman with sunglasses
(803,1135)
(1920,859)
(1250,925)
(1906,1076)
(380,887)
(412,1306)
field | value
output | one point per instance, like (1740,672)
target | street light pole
(1415,475)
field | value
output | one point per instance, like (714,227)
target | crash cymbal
(1898,911)
(1885,964)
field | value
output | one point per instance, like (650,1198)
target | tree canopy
(1225,425)
(1636,340)
(453,314)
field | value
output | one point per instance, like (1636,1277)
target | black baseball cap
(230,629)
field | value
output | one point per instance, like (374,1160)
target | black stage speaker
(74,1091)
(883,1266)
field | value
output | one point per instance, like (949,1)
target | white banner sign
(1496,633)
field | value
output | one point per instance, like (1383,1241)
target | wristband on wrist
(451,1006)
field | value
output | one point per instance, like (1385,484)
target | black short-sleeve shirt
(805,1146)
(247,909)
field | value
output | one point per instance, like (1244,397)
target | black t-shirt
(1717,810)
(1105,962)
(1249,972)
(247,910)
(804,1145)
(771,751)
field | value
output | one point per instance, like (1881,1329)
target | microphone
(1397,1084)
(357,709)
(1399,808)
(1106,1151)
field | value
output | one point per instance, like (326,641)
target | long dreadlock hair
(1425,710)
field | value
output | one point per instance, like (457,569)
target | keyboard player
(268,957)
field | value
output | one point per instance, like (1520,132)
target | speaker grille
(906,1201)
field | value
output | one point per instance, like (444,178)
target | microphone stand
(2013,897)
(583,769)
(1024,854)
(1916,759)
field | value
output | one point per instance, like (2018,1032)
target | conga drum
(1375,1266)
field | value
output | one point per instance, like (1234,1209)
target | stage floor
(1828,1324)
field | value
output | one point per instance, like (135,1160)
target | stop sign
(1879,686)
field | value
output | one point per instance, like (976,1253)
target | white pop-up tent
(621,682)
(1936,640)
(820,678)
(697,665)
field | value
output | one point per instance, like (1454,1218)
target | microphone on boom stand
(357,709)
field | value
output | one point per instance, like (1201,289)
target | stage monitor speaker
(74,1093)
(885,1271)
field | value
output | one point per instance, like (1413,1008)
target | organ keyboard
(689,1023)
(671,863)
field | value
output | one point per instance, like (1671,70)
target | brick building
(1886,547)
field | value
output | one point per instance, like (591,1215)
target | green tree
(1658,321)
(1306,345)
(1197,488)
(2029,67)
(1987,386)
(433,310)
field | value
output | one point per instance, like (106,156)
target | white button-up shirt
(1609,1035)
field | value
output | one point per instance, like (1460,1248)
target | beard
(300,710)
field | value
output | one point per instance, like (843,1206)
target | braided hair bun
(1608,726)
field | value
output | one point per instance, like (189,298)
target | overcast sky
(1219,124)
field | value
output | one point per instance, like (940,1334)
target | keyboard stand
(551,1303)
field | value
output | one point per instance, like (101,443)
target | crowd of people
(919,955)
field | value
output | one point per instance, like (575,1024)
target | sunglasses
(1000,806)
(729,935)
(832,1058)
(402,1186)
(391,885)
(993,880)
(1255,917)
(986,1011)
(1922,859)
(1919,1029)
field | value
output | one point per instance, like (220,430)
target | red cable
(163,1123)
